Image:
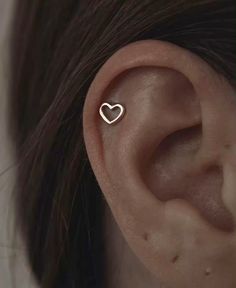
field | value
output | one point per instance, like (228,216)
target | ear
(167,168)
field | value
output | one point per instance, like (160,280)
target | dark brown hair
(57,48)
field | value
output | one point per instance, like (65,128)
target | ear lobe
(161,168)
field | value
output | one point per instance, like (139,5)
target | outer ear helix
(121,114)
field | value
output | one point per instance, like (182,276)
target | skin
(167,169)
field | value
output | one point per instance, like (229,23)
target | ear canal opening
(173,173)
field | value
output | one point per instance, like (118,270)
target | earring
(111,107)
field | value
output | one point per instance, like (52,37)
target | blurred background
(13,267)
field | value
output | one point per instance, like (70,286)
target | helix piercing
(112,107)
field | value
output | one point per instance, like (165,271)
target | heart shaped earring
(112,107)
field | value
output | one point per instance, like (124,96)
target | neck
(123,268)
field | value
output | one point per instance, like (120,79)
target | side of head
(165,171)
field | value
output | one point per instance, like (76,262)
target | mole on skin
(145,236)
(175,259)
(227,146)
(208,271)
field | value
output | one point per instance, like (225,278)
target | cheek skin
(193,253)
(228,191)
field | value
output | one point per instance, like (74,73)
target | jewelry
(112,107)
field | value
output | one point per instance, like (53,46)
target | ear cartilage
(112,107)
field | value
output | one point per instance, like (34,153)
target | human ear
(167,168)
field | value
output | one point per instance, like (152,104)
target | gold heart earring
(111,107)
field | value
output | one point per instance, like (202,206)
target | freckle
(175,259)
(145,236)
(208,271)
